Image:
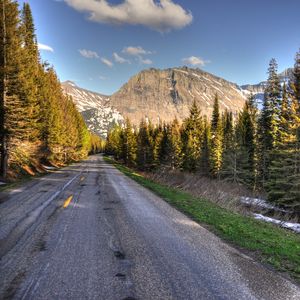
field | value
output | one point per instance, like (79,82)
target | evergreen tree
(216,140)
(268,122)
(245,134)
(165,145)
(204,163)
(128,141)
(174,139)
(192,134)
(145,157)
(10,63)
(284,182)
(30,72)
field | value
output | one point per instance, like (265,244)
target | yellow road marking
(67,202)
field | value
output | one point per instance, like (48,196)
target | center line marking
(67,202)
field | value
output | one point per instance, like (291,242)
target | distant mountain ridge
(160,96)
(258,89)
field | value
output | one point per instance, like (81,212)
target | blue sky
(101,44)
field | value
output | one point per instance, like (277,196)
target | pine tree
(229,153)
(174,138)
(128,141)
(145,157)
(284,182)
(268,122)
(192,134)
(30,73)
(204,162)
(165,145)
(216,140)
(245,134)
(10,63)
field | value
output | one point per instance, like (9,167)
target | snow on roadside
(292,226)
(259,203)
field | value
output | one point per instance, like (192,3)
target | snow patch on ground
(258,202)
(292,226)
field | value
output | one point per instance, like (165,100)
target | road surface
(89,232)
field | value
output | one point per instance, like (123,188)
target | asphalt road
(89,232)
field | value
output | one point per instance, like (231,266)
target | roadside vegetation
(265,242)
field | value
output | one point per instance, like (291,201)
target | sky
(100,44)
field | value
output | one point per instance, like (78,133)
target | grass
(267,243)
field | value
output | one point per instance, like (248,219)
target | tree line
(36,118)
(258,148)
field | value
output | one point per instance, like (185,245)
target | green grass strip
(269,243)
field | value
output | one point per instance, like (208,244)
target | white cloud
(195,61)
(102,77)
(145,61)
(135,51)
(161,15)
(120,59)
(107,62)
(88,53)
(45,47)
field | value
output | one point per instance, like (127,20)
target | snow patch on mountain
(95,108)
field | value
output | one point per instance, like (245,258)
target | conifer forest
(256,148)
(38,123)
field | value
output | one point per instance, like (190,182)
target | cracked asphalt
(89,232)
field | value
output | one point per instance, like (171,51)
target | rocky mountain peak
(166,94)
(156,95)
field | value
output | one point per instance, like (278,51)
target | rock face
(95,108)
(162,95)
(166,94)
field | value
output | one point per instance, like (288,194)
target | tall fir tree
(268,123)
(174,138)
(11,122)
(128,140)
(30,72)
(246,146)
(216,147)
(204,162)
(145,151)
(192,135)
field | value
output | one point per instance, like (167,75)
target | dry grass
(223,193)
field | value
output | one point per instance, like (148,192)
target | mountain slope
(95,108)
(157,95)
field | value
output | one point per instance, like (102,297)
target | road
(89,232)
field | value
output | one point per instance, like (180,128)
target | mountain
(95,108)
(157,95)
(258,89)
(162,95)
